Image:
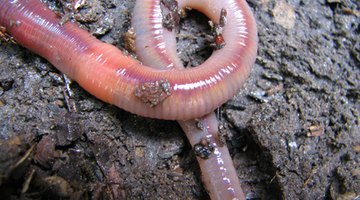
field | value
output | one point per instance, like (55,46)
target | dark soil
(295,125)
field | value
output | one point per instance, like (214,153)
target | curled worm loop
(156,47)
(104,71)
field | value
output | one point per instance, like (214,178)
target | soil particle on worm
(294,127)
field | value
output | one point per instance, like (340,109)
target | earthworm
(217,169)
(104,71)
(218,172)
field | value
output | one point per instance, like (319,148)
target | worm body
(113,77)
(218,173)
(155,45)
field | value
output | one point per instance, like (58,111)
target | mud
(294,127)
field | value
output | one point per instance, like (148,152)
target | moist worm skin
(155,45)
(104,71)
(218,173)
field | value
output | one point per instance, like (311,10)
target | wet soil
(295,126)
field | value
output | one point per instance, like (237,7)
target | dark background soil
(295,125)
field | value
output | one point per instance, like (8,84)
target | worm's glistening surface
(217,169)
(164,90)
(156,47)
(108,74)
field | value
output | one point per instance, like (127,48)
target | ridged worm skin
(218,173)
(104,71)
(154,43)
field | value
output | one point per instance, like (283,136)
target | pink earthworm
(217,169)
(104,71)
(156,47)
